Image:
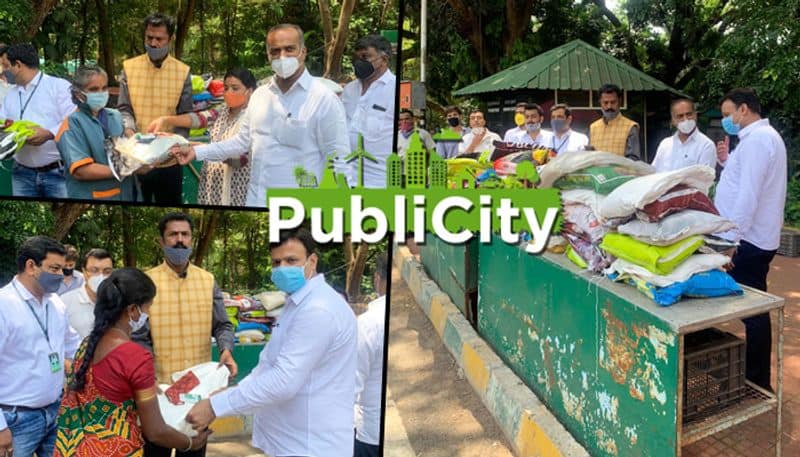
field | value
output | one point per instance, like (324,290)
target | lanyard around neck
(42,326)
(25,106)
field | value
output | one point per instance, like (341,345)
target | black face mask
(363,68)
(453,121)
(67,271)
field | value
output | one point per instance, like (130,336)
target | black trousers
(362,449)
(153,450)
(750,267)
(163,186)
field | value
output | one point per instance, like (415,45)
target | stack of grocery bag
(653,231)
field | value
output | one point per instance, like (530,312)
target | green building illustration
(394,172)
(360,154)
(416,166)
(329,175)
(464,179)
(304,178)
(438,171)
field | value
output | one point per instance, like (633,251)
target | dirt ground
(441,413)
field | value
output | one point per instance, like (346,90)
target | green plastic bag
(657,259)
(602,180)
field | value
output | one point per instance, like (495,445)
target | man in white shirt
(564,138)
(38,170)
(293,121)
(688,146)
(519,123)
(369,377)
(752,193)
(369,104)
(479,139)
(73,279)
(36,342)
(533,134)
(97,265)
(406,126)
(301,391)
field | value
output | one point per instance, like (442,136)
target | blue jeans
(30,183)
(33,431)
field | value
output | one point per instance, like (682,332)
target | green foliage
(792,212)
(13,13)
(19,220)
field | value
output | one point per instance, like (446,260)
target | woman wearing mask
(221,183)
(86,135)
(111,389)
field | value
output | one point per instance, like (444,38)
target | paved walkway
(757,436)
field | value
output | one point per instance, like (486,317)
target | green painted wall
(604,367)
(245,355)
(447,266)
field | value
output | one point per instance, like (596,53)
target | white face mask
(285,67)
(136,325)
(686,126)
(94,282)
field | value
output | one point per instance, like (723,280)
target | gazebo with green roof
(571,74)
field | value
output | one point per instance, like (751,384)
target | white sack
(639,192)
(676,227)
(271,299)
(211,379)
(696,263)
(572,161)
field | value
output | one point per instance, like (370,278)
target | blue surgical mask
(136,325)
(610,114)
(533,126)
(289,279)
(96,100)
(729,126)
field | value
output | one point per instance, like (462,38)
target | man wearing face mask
(688,146)
(73,278)
(479,139)
(36,341)
(564,138)
(151,85)
(97,266)
(406,127)
(532,133)
(187,306)
(369,104)
(752,193)
(293,120)
(5,65)
(614,133)
(519,123)
(449,149)
(38,170)
(86,136)
(302,390)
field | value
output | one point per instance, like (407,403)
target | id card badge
(55,362)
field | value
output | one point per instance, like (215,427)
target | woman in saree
(110,404)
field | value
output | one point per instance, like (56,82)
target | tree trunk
(184,21)
(518,21)
(326,20)
(84,32)
(207,230)
(65,216)
(355,271)
(104,40)
(333,56)
(229,23)
(128,253)
(40,9)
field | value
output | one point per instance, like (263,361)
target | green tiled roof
(574,66)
